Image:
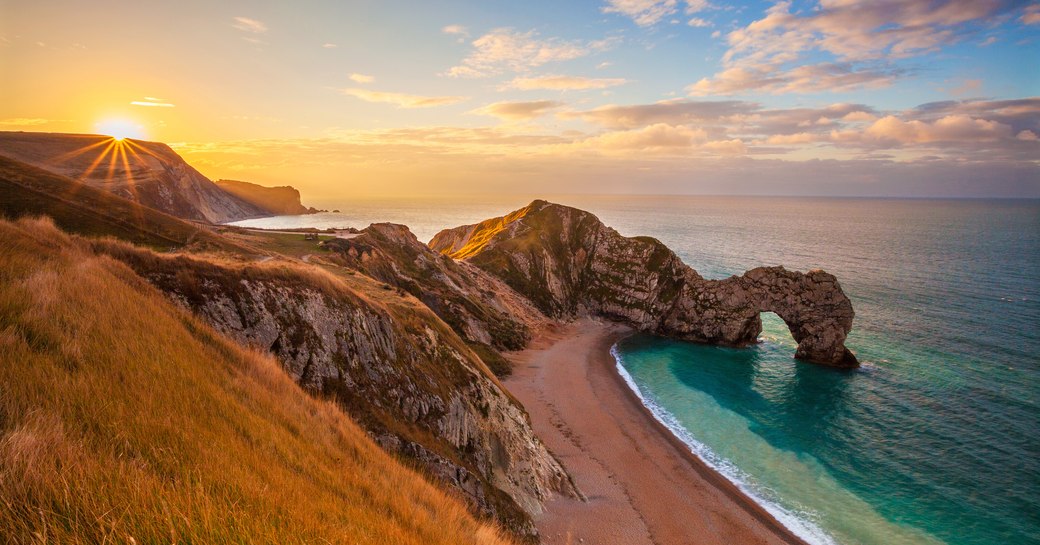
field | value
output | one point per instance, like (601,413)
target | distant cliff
(569,263)
(149,173)
(282,200)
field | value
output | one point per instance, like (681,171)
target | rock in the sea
(569,263)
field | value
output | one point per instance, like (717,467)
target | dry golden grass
(484,232)
(125,420)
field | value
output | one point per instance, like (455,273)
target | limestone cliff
(480,307)
(391,363)
(149,173)
(569,263)
(282,200)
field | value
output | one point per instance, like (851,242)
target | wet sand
(643,486)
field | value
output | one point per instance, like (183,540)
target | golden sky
(828,97)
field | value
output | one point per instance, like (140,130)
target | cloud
(361,78)
(656,137)
(518,111)
(954,128)
(246,24)
(1031,15)
(858,40)
(563,83)
(506,50)
(810,78)
(402,100)
(24,121)
(153,103)
(455,29)
(697,22)
(669,112)
(329,46)
(1027,136)
(642,12)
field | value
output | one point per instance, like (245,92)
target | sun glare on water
(120,129)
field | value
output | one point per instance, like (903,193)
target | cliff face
(282,200)
(397,369)
(568,263)
(480,307)
(148,173)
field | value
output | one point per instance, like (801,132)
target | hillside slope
(26,190)
(281,200)
(149,173)
(125,419)
(569,263)
(481,308)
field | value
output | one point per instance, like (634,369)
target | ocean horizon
(932,440)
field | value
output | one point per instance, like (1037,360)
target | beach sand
(643,485)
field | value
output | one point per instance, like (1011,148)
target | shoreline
(643,484)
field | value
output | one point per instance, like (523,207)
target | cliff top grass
(125,419)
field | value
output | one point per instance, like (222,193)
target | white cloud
(518,111)
(810,78)
(402,100)
(246,24)
(651,12)
(455,29)
(329,46)
(361,78)
(642,12)
(563,83)
(505,49)
(153,102)
(697,22)
(859,40)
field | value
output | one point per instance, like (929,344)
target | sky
(392,97)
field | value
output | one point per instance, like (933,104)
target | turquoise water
(936,439)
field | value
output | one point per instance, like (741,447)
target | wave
(798,523)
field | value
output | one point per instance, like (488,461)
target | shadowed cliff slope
(568,263)
(149,173)
(124,419)
(26,190)
(481,308)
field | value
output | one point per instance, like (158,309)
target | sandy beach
(643,485)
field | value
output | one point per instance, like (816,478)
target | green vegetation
(125,419)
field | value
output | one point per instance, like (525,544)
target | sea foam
(798,523)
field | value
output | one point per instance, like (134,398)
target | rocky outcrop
(480,307)
(149,173)
(568,263)
(282,200)
(392,364)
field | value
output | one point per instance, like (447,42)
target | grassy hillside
(124,419)
(26,190)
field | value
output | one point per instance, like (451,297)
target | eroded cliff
(569,263)
(480,307)
(398,370)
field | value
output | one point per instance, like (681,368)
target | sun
(120,129)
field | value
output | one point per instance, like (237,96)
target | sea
(935,439)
